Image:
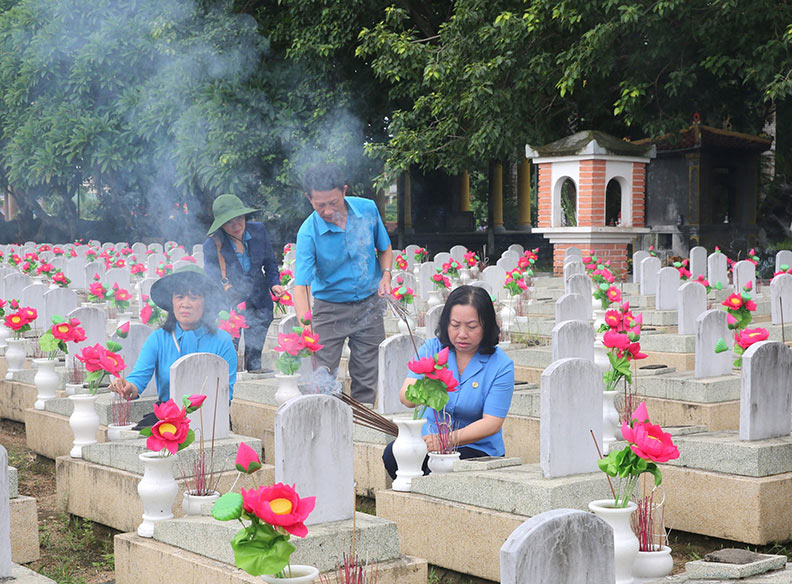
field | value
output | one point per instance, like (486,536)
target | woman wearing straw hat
(192,302)
(238,255)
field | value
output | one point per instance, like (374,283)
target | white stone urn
(611,428)
(654,565)
(465,276)
(115,431)
(157,490)
(508,314)
(287,387)
(72,388)
(442,463)
(403,325)
(434,299)
(625,543)
(4,334)
(15,357)
(84,422)
(409,450)
(45,380)
(296,574)
(193,504)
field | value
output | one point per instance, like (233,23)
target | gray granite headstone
(667,286)
(766,395)
(188,375)
(496,276)
(93,321)
(571,268)
(781,298)
(711,325)
(432,318)
(314,452)
(573,339)
(565,445)
(717,269)
(5,518)
(130,351)
(14,284)
(649,268)
(744,272)
(92,269)
(394,354)
(783,258)
(572,307)
(118,276)
(59,302)
(581,284)
(698,262)
(637,258)
(561,546)
(572,251)
(691,301)
(33,297)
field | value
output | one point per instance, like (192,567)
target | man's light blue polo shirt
(339,264)
(159,352)
(485,387)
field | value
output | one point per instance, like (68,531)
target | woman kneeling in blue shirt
(192,302)
(485,374)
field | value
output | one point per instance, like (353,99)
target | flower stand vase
(295,574)
(625,543)
(409,450)
(15,357)
(507,314)
(434,299)
(4,334)
(611,429)
(195,504)
(45,380)
(651,566)
(73,388)
(465,276)
(84,422)
(442,463)
(403,326)
(287,387)
(115,431)
(157,490)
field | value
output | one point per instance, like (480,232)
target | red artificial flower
(734,301)
(145,313)
(15,321)
(280,506)
(444,374)
(613,339)
(121,295)
(650,442)
(613,319)
(171,430)
(422,366)
(28,314)
(310,341)
(123,330)
(247,459)
(748,337)
(289,343)
(194,402)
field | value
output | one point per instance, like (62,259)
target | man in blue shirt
(344,255)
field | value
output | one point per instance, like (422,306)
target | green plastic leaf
(187,441)
(48,342)
(784,267)
(58,319)
(402,290)
(721,346)
(258,550)
(145,432)
(228,507)
(655,470)
(223,315)
(113,346)
(428,392)
(718,285)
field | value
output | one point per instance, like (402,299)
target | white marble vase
(115,431)
(4,334)
(651,566)
(84,422)
(409,450)
(193,504)
(434,299)
(157,490)
(287,387)
(45,380)
(403,325)
(625,543)
(442,463)
(508,314)
(299,575)
(15,357)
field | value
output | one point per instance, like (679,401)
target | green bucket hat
(225,208)
(196,279)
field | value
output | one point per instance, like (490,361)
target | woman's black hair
(479,299)
(189,286)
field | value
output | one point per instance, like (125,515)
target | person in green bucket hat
(238,256)
(192,302)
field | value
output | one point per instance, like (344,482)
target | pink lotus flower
(289,343)
(640,414)
(442,356)
(734,301)
(748,337)
(242,306)
(145,313)
(614,294)
(281,506)
(171,430)
(422,366)
(123,330)
(613,339)
(650,442)
(194,402)
(750,305)
(444,374)
(247,459)
(613,319)
(310,341)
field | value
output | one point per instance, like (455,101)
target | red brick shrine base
(615,252)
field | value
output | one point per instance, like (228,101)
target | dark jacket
(252,287)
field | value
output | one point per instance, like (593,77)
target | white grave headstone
(649,268)
(458,253)
(177,254)
(781,298)
(59,302)
(144,289)
(698,262)
(93,321)
(560,546)
(394,354)
(508,261)
(139,249)
(155,247)
(153,262)
(517,248)
(5,518)
(573,268)
(425,283)
(496,277)
(572,307)
(92,269)
(744,272)
(717,269)
(573,339)
(314,452)
(33,297)
(711,326)
(572,251)
(766,395)
(75,271)
(691,302)
(565,446)
(431,320)
(667,286)
(14,284)
(581,284)
(118,276)
(188,375)
(441,258)
(783,258)
(130,351)
(637,258)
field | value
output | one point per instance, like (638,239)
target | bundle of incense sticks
(363,415)
(401,312)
